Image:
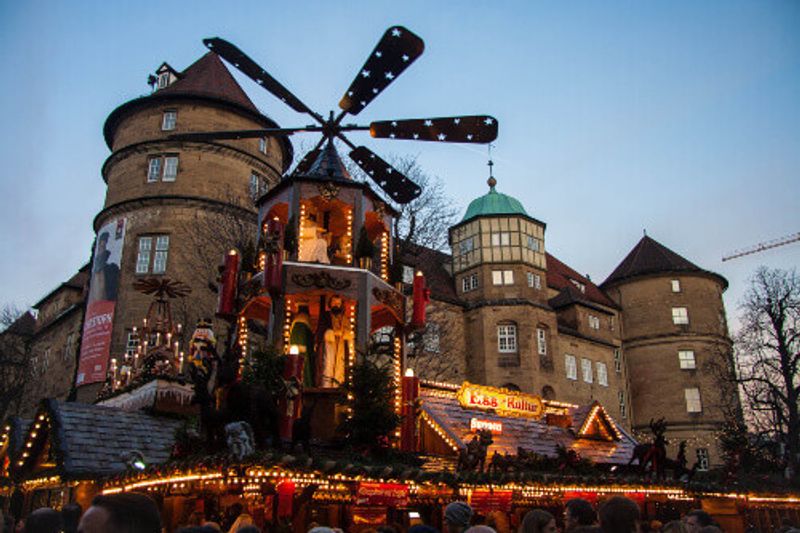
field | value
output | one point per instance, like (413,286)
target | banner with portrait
(100,303)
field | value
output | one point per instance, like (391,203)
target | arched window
(548,393)
(507,345)
(542,337)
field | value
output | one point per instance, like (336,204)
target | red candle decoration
(285,491)
(422,296)
(228,284)
(273,266)
(408,427)
(291,405)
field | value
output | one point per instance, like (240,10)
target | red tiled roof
(519,432)
(209,77)
(559,276)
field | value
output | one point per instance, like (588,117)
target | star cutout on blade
(441,136)
(405,58)
(374,90)
(488,121)
(429,123)
(378,53)
(394,123)
(392,135)
(389,76)
(457,120)
(416,135)
(469,136)
(365,73)
(396,32)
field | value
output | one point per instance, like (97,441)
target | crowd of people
(137,513)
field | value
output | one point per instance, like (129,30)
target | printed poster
(102,299)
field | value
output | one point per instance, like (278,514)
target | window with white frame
(623,408)
(693,403)
(502,277)
(169,120)
(680,315)
(686,359)
(132,343)
(586,370)
(408,275)
(152,254)
(506,338)
(571,365)
(501,238)
(469,283)
(594,322)
(541,341)
(578,285)
(534,280)
(617,360)
(258,185)
(676,285)
(262,145)
(702,459)
(163,168)
(602,374)
(533,243)
(163,80)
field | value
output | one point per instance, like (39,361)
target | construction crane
(760,247)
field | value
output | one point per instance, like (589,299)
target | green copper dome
(493,203)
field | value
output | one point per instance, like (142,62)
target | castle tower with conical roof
(172,207)
(674,335)
(499,269)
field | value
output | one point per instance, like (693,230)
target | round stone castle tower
(173,207)
(674,332)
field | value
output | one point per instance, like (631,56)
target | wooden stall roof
(591,431)
(90,440)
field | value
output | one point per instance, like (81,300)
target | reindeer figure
(651,456)
(474,456)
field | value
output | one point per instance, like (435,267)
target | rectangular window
(408,275)
(541,341)
(497,277)
(571,365)
(586,370)
(686,359)
(702,459)
(623,409)
(602,374)
(69,346)
(578,285)
(502,277)
(262,145)
(617,360)
(430,340)
(680,315)
(676,285)
(163,80)
(154,169)
(533,243)
(132,343)
(160,258)
(465,285)
(693,404)
(594,322)
(506,338)
(169,120)
(508,277)
(469,283)
(170,168)
(501,238)
(534,280)
(611,323)
(143,256)
(467,245)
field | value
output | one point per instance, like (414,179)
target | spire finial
(491,181)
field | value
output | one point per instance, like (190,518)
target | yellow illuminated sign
(502,401)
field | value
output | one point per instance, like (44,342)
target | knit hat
(458,513)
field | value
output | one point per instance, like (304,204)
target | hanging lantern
(228,284)
(273,264)
(422,296)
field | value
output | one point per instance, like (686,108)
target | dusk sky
(681,118)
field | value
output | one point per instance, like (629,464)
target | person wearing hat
(456,517)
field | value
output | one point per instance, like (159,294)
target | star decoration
(389,170)
(469,136)
(378,53)
(488,121)
(374,90)
(405,58)
(365,73)
(416,135)
(396,32)
(429,123)
(457,121)
(391,135)
(363,103)
(389,76)
(394,123)
(441,136)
